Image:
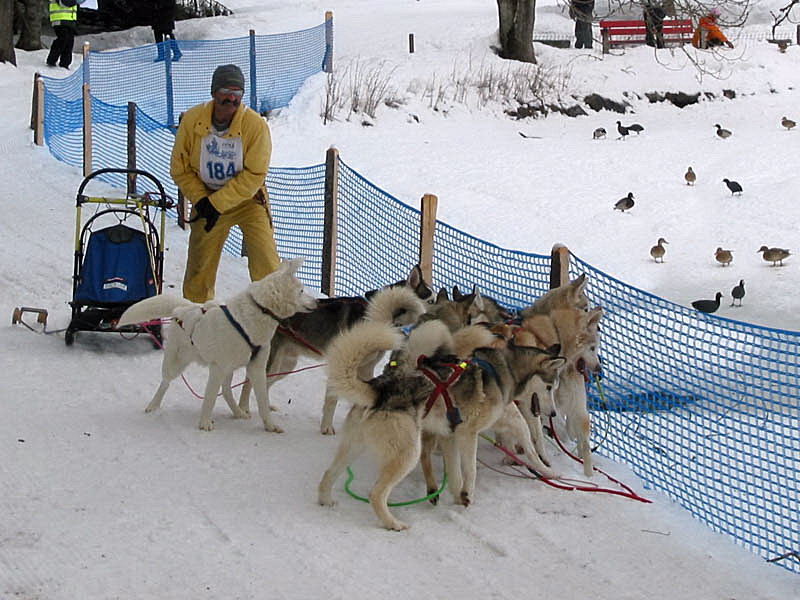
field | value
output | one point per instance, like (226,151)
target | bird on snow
(658,251)
(636,127)
(724,257)
(733,186)
(722,132)
(737,293)
(774,255)
(623,131)
(788,123)
(707,306)
(599,133)
(690,177)
(625,203)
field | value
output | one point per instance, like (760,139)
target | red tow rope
(628,493)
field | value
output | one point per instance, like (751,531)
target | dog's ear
(477,300)
(457,295)
(292,265)
(578,287)
(555,363)
(594,317)
(414,279)
(442,297)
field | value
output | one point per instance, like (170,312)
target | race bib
(220,159)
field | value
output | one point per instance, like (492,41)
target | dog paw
(326,501)
(150,408)
(396,525)
(549,474)
(465,500)
(271,427)
(241,414)
(206,425)
(327,430)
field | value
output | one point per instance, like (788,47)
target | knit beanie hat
(227,76)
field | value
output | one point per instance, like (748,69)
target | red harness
(441,389)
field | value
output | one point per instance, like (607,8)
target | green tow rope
(431,496)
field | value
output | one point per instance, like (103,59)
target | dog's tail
(398,306)
(352,357)
(467,339)
(149,309)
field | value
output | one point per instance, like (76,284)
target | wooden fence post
(253,74)
(427,227)
(329,234)
(327,63)
(181,208)
(87,114)
(38,126)
(559,266)
(34,99)
(131,147)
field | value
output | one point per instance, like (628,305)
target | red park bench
(620,33)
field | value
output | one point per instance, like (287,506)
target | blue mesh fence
(704,408)
(297,202)
(374,229)
(701,407)
(274,66)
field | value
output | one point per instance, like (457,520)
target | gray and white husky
(388,413)
(225,337)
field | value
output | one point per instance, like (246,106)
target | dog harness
(441,389)
(238,327)
(253,348)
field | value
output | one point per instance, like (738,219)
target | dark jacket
(163,16)
(653,14)
(581,10)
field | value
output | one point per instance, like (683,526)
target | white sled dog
(225,337)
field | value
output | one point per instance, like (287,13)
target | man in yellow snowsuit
(219,162)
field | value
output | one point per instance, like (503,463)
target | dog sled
(119,255)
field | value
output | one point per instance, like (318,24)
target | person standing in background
(581,12)
(64,19)
(163,24)
(708,34)
(653,14)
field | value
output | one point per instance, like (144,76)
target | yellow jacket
(256,146)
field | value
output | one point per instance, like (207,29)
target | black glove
(205,210)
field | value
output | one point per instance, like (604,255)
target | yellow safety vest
(59,12)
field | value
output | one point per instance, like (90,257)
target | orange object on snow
(709,34)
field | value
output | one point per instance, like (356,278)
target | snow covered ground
(99,500)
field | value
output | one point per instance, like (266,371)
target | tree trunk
(30,19)
(7,32)
(516,18)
